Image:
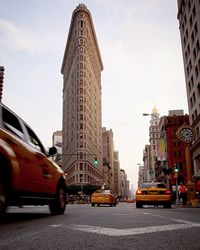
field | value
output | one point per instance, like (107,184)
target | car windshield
(103,191)
(153,185)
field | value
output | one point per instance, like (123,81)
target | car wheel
(92,204)
(59,203)
(168,205)
(2,197)
(4,184)
(138,205)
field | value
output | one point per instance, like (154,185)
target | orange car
(153,193)
(103,197)
(27,175)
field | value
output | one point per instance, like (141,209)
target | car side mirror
(52,151)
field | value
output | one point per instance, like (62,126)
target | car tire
(59,203)
(2,197)
(138,205)
(4,184)
(168,205)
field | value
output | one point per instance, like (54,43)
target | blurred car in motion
(153,193)
(27,175)
(130,200)
(103,197)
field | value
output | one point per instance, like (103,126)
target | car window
(11,123)
(153,185)
(161,185)
(106,192)
(33,140)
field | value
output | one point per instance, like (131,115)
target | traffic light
(176,168)
(95,161)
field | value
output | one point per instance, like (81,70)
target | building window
(195,29)
(194,11)
(196,71)
(194,98)
(198,88)
(191,21)
(81,168)
(194,54)
(189,5)
(191,103)
(175,154)
(197,46)
(197,132)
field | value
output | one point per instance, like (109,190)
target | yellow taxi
(27,175)
(153,193)
(103,197)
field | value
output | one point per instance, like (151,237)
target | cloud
(19,38)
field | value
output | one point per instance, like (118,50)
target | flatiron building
(82,111)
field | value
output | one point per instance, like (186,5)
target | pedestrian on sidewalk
(183,193)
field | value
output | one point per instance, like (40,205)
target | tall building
(141,175)
(82,114)
(147,162)
(124,185)
(189,25)
(154,136)
(57,142)
(108,157)
(175,149)
(116,173)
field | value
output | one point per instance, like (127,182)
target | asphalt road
(104,227)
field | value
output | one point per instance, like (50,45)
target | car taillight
(167,191)
(139,192)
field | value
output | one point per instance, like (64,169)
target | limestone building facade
(189,25)
(82,110)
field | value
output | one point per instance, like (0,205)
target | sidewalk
(192,204)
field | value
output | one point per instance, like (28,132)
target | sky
(140,46)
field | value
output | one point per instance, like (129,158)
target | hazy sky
(140,46)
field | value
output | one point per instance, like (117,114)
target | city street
(104,227)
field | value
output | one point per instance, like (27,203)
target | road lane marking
(120,214)
(132,231)
(56,225)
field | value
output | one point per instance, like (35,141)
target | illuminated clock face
(186,134)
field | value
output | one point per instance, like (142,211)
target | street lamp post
(177,198)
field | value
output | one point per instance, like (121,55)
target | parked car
(103,197)
(153,193)
(27,175)
(130,200)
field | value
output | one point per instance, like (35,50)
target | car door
(41,173)
(28,176)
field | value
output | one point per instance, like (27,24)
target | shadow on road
(22,215)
